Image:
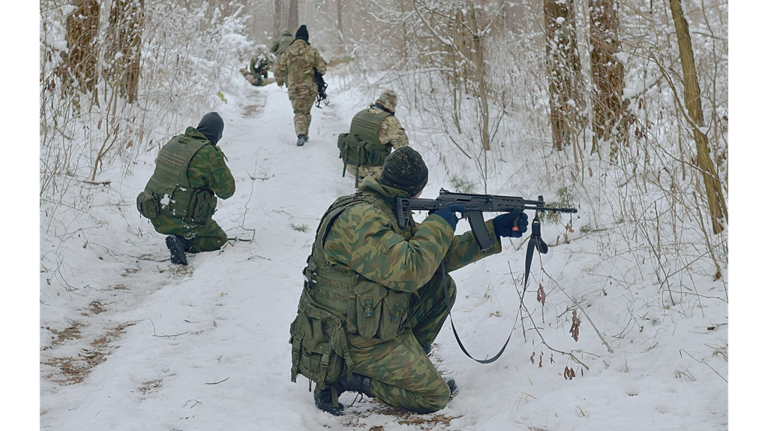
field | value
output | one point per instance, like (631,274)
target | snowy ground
(129,341)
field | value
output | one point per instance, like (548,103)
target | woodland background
(638,87)
(627,103)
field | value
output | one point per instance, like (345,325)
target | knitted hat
(302,33)
(212,126)
(388,99)
(404,169)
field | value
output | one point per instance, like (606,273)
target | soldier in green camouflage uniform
(180,197)
(373,301)
(296,69)
(377,121)
(282,43)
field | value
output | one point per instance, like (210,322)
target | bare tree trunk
(692,96)
(339,15)
(293,15)
(563,71)
(607,74)
(277,21)
(123,54)
(451,63)
(82,42)
(478,58)
(728,121)
(404,28)
(133,29)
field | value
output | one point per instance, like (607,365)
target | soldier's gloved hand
(504,223)
(448,213)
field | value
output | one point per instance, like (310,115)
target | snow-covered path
(131,342)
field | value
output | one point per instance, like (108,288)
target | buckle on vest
(310,278)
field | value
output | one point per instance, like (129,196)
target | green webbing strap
(295,354)
(357,167)
(334,397)
(324,361)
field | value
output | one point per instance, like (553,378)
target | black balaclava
(302,33)
(212,126)
(404,169)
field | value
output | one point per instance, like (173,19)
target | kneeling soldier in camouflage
(180,197)
(373,301)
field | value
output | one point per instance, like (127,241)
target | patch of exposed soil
(425,422)
(73,370)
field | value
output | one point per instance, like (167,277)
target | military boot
(427,348)
(178,247)
(324,401)
(302,140)
(357,383)
(452,386)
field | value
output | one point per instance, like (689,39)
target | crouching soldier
(257,72)
(180,197)
(373,299)
(373,134)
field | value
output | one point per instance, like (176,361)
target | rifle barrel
(562,210)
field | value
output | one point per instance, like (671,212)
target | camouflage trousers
(256,80)
(401,373)
(206,236)
(302,98)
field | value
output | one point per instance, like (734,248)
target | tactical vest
(170,186)
(331,287)
(361,146)
(336,302)
(366,125)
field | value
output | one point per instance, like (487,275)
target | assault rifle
(321,86)
(475,206)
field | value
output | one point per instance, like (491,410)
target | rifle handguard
(475,205)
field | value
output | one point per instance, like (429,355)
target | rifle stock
(475,205)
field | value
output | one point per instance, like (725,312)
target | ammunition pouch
(147,205)
(377,312)
(355,151)
(197,204)
(319,347)
(203,205)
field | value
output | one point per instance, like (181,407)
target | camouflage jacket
(189,173)
(207,169)
(391,132)
(296,66)
(367,241)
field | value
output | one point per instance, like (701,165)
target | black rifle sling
(456,334)
(534,241)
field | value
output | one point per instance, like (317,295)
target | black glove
(503,224)
(448,214)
